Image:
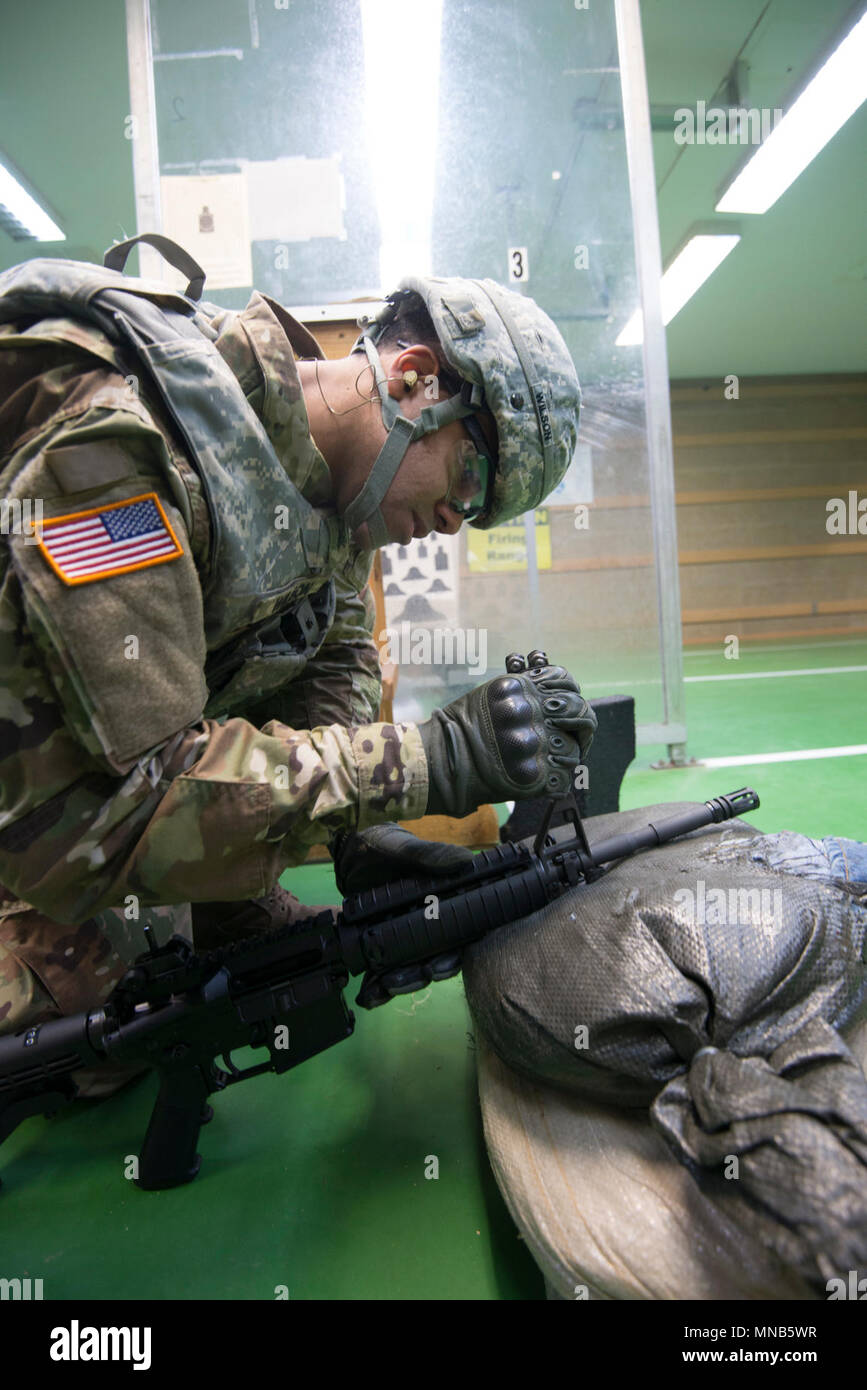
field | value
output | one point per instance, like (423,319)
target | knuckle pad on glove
(502,687)
(512,712)
(514,716)
(519,748)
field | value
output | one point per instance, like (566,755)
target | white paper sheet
(295,199)
(206,214)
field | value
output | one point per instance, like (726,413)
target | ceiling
(790,299)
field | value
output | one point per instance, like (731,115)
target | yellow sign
(505,547)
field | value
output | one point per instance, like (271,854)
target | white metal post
(648,257)
(145,147)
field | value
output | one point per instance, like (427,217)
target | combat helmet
(512,359)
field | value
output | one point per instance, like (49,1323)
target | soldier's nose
(447,521)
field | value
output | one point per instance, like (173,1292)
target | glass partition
(318,153)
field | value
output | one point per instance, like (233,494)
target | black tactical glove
(369,858)
(515,737)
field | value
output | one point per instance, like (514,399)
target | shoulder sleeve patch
(126,654)
(101,541)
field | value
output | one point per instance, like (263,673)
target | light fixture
(404,39)
(688,271)
(20,214)
(825,104)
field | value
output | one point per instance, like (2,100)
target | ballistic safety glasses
(472,473)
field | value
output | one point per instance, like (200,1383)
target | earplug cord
(409,380)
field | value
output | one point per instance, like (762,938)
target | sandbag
(698,998)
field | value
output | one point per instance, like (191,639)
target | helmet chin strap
(401,432)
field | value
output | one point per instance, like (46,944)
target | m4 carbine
(180,1011)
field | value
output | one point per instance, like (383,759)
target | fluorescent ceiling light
(687,273)
(826,103)
(21,216)
(402,39)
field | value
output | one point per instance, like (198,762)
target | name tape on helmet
(541,397)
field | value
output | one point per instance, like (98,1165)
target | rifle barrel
(720,808)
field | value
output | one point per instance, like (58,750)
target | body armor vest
(270,598)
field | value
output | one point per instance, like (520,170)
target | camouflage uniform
(137,774)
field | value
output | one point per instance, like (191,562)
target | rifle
(179,1011)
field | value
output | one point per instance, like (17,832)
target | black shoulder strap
(115,258)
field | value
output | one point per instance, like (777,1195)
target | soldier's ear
(418,358)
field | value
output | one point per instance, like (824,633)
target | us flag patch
(109,540)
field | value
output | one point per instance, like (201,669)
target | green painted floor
(756,714)
(315,1181)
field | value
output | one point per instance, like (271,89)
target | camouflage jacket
(125,768)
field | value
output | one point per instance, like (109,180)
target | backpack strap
(115,258)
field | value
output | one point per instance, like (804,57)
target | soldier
(190,681)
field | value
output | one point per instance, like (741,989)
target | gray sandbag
(709,984)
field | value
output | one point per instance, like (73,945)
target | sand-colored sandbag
(707,1040)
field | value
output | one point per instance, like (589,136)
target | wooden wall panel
(754,475)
